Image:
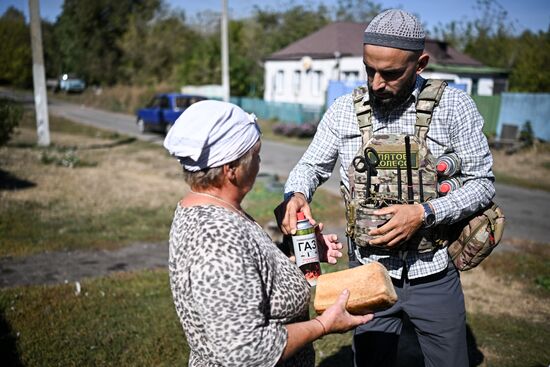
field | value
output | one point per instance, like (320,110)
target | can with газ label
(305,249)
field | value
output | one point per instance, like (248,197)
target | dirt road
(527,210)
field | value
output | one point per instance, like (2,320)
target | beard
(387,104)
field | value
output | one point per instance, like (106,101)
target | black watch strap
(429,216)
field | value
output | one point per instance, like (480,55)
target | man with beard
(427,283)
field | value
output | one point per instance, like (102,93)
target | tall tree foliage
(530,72)
(16,56)
(492,38)
(264,33)
(359,11)
(250,41)
(280,28)
(145,42)
(201,65)
(89,32)
(152,50)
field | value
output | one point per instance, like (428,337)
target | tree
(16,56)
(492,39)
(266,32)
(10,115)
(89,32)
(530,71)
(153,50)
(359,11)
(52,51)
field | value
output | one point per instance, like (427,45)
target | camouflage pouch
(388,186)
(474,238)
(365,222)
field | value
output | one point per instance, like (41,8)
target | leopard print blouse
(234,290)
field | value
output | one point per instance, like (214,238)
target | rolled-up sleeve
(317,163)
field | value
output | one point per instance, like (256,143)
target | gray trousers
(435,306)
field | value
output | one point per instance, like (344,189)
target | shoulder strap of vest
(428,99)
(364,113)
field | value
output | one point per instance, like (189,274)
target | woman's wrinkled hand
(337,320)
(328,246)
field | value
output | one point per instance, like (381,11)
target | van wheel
(141,126)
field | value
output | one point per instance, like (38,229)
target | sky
(527,14)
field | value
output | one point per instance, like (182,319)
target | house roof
(347,39)
(343,37)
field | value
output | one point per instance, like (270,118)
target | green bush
(527,136)
(10,115)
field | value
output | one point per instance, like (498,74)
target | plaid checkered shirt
(456,126)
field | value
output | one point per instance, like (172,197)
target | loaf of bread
(370,287)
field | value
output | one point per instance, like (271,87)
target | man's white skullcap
(395,28)
(210,134)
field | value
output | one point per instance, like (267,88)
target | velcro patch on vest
(392,156)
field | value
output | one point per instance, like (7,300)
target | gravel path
(72,266)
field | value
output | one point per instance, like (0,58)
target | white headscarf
(211,134)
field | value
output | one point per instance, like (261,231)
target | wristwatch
(429,216)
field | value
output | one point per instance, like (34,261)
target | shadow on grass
(8,345)
(474,354)
(12,183)
(409,353)
(344,357)
(116,143)
(62,148)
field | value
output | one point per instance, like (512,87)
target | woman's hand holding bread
(337,320)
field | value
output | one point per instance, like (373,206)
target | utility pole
(225,53)
(38,76)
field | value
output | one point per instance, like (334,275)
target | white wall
(294,82)
(485,87)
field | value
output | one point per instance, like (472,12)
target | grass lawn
(123,320)
(96,190)
(92,189)
(128,319)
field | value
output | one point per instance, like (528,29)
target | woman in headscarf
(240,300)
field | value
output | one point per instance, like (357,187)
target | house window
(499,86)
(279,82)
(316,80)
(475,87)
(296,79)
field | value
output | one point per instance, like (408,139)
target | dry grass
(119,98)
(124,177)
(504,305)
(529,167)
(505,284)
(489,294)
(119,191)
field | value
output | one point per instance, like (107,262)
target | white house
(300,72)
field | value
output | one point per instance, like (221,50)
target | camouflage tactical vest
(379,177)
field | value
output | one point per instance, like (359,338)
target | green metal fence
(489,107)
(286,112)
